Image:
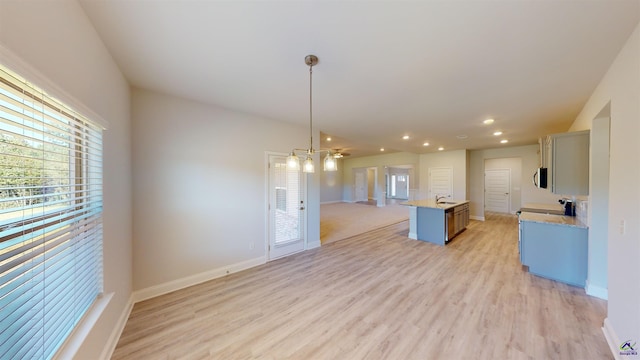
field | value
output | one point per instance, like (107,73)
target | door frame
(267,205)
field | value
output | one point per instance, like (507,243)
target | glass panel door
(286,208)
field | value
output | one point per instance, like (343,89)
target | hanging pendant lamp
(293,161)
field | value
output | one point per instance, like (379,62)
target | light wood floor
(378,295)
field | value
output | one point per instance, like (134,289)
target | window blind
(50,219)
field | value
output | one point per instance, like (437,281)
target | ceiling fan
(338,153)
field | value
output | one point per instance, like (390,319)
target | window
(50,219)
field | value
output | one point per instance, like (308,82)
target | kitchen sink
(447,202)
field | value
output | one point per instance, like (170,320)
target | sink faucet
(438,198)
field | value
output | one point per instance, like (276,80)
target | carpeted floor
(342,220)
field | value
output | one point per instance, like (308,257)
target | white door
(497,185)
(286,208)
(401,186)
(362,188)
(440,182)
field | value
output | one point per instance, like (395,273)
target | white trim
(413,236)
(612,339)
(110,346)
(313,245)
(22,68)
(473,217)
(79,334)
(165,288)
(332,202)
(597,291)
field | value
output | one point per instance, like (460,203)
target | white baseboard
(612,339)
(597,291)
(331,202)
(110,346)
(473,217)
(178,284)
(413,236)
(313,245)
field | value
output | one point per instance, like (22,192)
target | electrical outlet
(622,227)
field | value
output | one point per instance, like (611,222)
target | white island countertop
(431,203)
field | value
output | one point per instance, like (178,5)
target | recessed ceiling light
(497,133)
(406,137)
(329,138)
(440,148)
(488,121)
(461,137)
(504,141)
(425,144)
(381,149)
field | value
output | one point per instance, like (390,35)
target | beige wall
(199,184)
(56,39)
(620,88)
(331,184)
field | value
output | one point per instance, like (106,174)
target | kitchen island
(437,222)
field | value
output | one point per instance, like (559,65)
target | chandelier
(293,161)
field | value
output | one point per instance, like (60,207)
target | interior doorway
(366,185)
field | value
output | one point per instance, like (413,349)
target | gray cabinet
(553,251)
(438,225)
(569,163)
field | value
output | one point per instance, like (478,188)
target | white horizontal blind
(50,219)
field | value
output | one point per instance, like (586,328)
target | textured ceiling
(431,69)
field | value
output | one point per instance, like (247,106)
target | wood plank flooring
(377,295)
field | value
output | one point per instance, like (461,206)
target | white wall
(199,190)
(528,192)
(378,161)
(454,159)
(58,41)
(621,87)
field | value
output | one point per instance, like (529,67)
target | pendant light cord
(310,109)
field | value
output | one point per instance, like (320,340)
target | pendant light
(293,161)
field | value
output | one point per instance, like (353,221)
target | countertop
(555,209)
(552,219)
(431,203)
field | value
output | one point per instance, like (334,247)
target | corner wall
(57,40)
